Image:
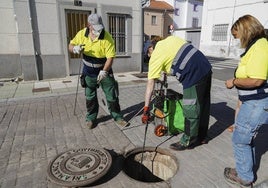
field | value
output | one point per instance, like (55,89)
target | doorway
(75,21)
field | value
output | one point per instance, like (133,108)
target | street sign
(145,3)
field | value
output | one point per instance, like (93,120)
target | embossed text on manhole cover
(79,167)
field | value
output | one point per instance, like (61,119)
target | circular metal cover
(79,167)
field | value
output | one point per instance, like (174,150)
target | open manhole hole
(151,165)
(79,167)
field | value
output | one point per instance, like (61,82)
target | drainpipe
(163,26)
(34,35)
(142,39)
(229,44)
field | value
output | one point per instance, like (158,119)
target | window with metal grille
(117,28)
(195,22)
(219,32)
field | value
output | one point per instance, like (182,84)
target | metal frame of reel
(160,95)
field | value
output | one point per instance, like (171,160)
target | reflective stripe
(185,60)
(179,53)
(92,64)
(187,57)
(251,92)
(247,92)
(178,75)
(189,101)
(263,89)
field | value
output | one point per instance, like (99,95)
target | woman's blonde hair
(248,29)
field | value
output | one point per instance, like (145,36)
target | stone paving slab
(36,129)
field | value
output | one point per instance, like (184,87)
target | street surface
(37,122)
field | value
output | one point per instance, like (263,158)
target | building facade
(157,19)
(35,35)
(218,17)
(187,19)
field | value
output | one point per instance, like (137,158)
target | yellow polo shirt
(163,56)
(99,48)
(254,64)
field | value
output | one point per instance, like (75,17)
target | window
(177,11)
(219,32)
(177,7)
(117,28)
(195,22)
(195,8)
(154,20)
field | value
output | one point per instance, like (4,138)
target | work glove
(77,49)
(102,74)
(146,118)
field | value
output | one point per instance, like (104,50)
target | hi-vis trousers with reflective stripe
(110,89)
(196,110)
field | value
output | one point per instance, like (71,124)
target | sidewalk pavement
(38,122)
(10,90)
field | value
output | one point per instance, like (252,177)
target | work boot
(178,146)
(231,176)
(90,124)
(122,123)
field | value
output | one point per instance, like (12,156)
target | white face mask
(96,33)
(236,43)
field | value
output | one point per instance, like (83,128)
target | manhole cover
(79,167)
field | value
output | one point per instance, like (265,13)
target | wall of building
(33,35)
(183,20)
(227,12)
(184,13)
(153,29)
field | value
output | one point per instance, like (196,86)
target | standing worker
(98,54)
(251,81)
(193,70)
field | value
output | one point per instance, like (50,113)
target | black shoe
(178,146)
(204,141)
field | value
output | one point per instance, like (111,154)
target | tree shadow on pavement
(224,116)
(261,146)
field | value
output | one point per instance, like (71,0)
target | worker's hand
(77,49)
(102,74)
(229,83)
(145,118)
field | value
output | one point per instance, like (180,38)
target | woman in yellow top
(252,85)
